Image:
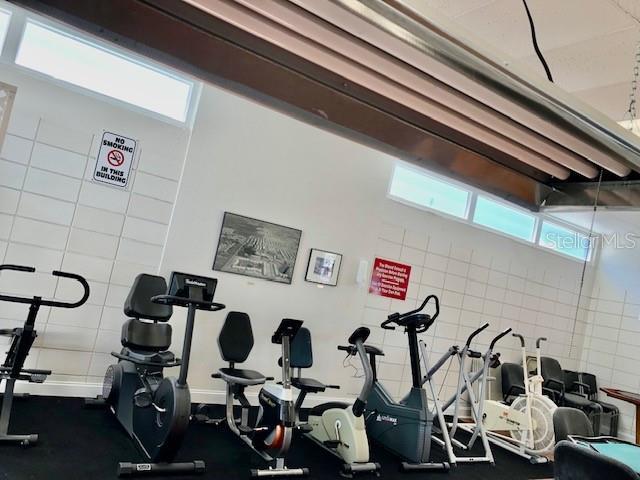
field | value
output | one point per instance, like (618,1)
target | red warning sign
(115,158)
(390,279)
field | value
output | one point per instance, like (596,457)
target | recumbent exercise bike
(155,410)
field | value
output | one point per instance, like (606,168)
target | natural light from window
(505,219)
(58,55)
(564,240)
(5,19)
(427,191)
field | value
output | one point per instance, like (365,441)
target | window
(564,240)
(5,18)
(427,191)
(505,219)
(103,71)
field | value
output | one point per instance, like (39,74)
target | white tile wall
(53,217)
(612,345)
(474,287)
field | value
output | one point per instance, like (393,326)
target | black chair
(554,381)
(512,377)
(610,413)
(574,462)
(571,421)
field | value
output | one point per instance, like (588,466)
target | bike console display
(288,328)
(186,289)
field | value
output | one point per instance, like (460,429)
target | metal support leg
(5,416)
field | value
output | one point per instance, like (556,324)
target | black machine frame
(12,368)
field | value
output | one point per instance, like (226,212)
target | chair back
(571,421)
(574,462)
(235,340)
(512,376)
(301,349)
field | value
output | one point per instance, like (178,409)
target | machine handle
(517,335)
(396,317)
(49,303)
(493,342)
(17,268)
(475,333)
(350,349)
(386,325)
(199,304)
(474,354)
(539,340)
(335,387)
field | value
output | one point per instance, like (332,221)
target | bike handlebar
(504,332)
(475,333)
(541,339)
(397,317)
(517,335)
(48,303)
(18,268)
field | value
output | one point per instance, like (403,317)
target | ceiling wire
(534,40)
(618,5)
(584,264)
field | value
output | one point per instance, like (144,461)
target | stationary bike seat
(308,384)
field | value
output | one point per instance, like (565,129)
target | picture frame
(323,267)
(257,248)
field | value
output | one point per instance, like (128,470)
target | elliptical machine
(466,380)
(21,341)
(337,427)
(270,436)
(153,409)
(404,428)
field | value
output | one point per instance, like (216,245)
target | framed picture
(323,267)
(256,248)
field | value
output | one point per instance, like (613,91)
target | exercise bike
(528,418)
(337,427)
(271,434)
(22,339)
(446,437)
(404,428)
(155,410)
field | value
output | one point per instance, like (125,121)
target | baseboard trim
(89,390)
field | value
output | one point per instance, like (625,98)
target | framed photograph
(323,267)
(256,248)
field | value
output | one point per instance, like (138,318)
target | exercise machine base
(280,472)
(349,470)
(414,467)
(128,469)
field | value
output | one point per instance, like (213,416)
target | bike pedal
(37,378)
(331,443)
(245,430)
(305,428)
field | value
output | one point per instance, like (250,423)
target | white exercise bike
(528,418)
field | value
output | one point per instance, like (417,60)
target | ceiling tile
(592,63)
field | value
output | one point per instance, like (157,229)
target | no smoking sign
(115,158)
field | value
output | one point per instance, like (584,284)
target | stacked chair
(585,384)
(555,385)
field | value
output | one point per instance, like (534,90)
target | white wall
(249,160)
(52,216)
(612,341)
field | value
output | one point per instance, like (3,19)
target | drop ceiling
(590,45)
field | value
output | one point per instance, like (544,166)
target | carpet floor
(82,443)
